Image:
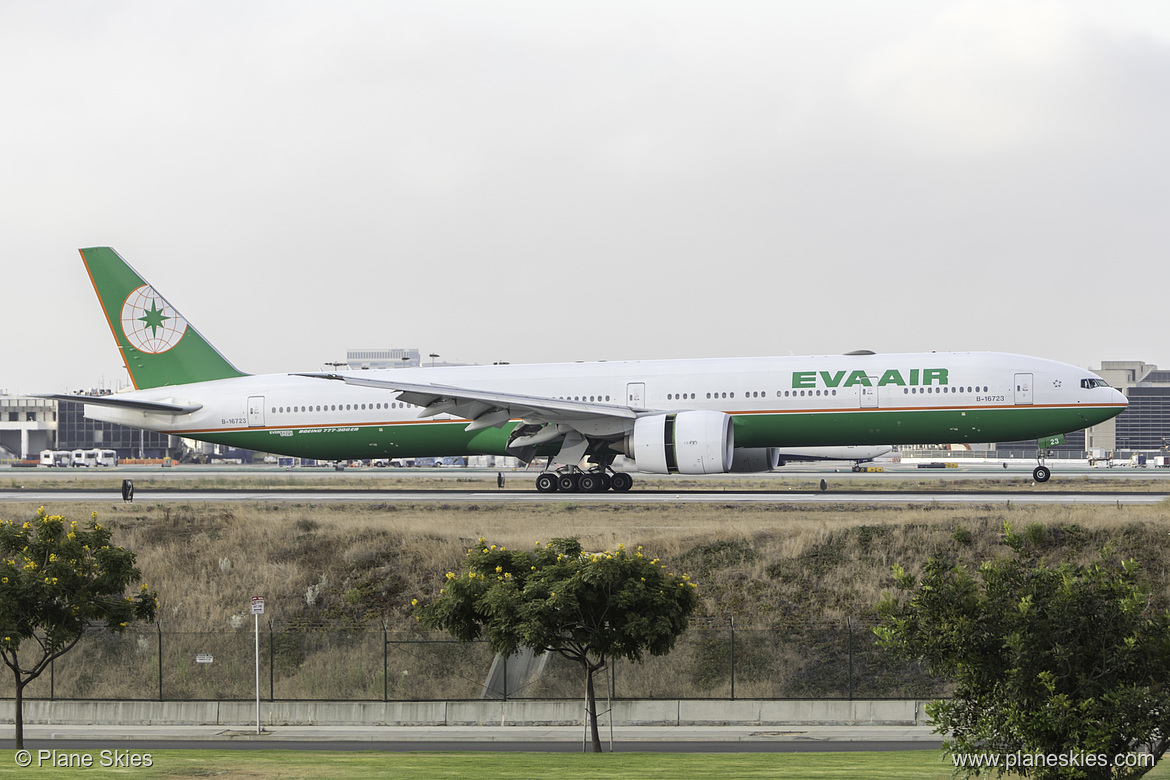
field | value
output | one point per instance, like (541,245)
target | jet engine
(755,459)
(694,442)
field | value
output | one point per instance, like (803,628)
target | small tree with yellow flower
(587,607)
(58,579)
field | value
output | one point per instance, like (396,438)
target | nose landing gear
(1041,473)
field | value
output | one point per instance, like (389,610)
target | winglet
(159,347)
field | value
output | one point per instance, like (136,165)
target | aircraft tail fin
(159,347)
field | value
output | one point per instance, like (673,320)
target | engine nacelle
(755,459)
(694,442)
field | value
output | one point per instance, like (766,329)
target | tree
(56,582)
(588,607)
(1053,664)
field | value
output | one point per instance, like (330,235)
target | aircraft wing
(489,408)
(155,407)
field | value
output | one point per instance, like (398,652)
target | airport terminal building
(1145,425)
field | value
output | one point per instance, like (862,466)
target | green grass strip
(337,765)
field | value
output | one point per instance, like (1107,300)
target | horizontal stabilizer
(154,407)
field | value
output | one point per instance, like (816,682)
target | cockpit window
(1089,384)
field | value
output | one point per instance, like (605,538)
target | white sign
(257,605)
(203,658)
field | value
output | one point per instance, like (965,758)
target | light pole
(432,357)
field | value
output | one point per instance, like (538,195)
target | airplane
(687,416)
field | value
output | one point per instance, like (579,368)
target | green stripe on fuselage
(918,426)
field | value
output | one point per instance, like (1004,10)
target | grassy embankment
(796,574)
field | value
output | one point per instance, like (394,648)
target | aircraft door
(636,395)
(1023,389)
(869,399)
(255,411)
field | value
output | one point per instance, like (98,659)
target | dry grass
(365,562)
(795,574)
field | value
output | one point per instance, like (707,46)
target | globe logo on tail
(150,323)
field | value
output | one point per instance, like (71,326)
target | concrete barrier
(529,712)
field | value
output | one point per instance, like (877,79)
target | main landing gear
(576,481)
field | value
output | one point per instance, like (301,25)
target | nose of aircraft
(1119,398)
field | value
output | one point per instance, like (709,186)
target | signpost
(257,611)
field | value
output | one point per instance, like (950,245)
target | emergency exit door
(636,394)
(1023,389)
(255,411)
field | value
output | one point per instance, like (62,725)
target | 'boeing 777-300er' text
(696,416)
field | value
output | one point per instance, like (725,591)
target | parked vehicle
(56,458)
(94,457)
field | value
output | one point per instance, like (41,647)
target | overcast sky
(541,181)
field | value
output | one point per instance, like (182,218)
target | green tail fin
(158,345)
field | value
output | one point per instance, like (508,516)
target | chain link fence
(803,660)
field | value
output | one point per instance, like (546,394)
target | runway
(830,496)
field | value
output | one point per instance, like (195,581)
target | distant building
(76,431)
(1145,425)
(358,359)
(27,425)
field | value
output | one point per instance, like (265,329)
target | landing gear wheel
(568,483)
(620,482)
(546,483)
(592,482)
(1041,473)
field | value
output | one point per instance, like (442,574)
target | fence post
(52,676)
(733,658)
(160,663)
(849,628)
(385,664)
(271,662)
